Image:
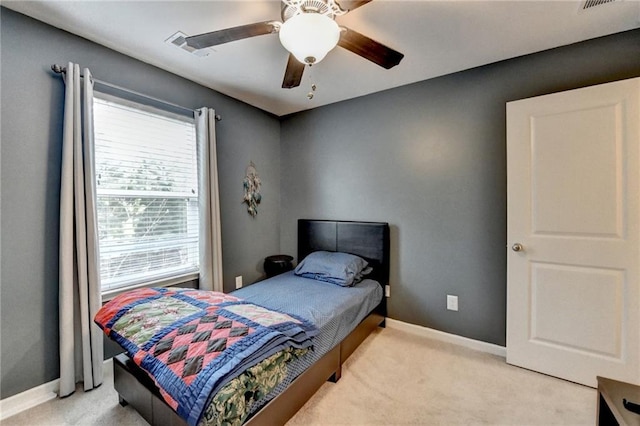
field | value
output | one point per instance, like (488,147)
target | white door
(573,275)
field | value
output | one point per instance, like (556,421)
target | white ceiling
(437,38)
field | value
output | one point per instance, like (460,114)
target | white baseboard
(447,337)
(35,396)
(28,399)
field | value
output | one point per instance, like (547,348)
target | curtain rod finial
(58,69)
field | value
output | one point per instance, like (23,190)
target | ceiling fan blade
(348,5)
(232,34)
(369,49)
(293,74)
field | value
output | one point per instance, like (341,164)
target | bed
(364,306)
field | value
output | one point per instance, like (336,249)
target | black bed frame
(369,240)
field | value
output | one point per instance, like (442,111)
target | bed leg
(123,402)
(383,324)
(336,375)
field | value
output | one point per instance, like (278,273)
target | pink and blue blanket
(193,342)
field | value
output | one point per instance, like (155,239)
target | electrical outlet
(239,281)
(452,302)
(387,290)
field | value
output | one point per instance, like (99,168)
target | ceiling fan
(308,31)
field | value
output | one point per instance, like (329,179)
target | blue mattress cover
(334,310)
(320,302)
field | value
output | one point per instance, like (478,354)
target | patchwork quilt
(194,343)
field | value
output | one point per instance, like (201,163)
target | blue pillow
(343,269)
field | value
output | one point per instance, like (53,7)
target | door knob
(517,247)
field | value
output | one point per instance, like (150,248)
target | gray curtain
(81,344)
(210,233)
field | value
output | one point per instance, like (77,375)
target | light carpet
(393,378)
(396,377)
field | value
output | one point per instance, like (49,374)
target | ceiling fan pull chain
(310,94)
(313,85)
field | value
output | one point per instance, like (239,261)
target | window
(147,193)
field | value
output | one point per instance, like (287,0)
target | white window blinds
(147,193)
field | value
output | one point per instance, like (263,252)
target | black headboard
(369,240)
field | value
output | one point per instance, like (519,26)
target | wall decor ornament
(251,184)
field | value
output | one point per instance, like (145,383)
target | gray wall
(429,158)
(31,114)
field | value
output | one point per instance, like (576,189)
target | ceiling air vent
(179,39)
(588,4)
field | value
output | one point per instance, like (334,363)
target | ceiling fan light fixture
(309,36)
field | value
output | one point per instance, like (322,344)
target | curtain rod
(58,69)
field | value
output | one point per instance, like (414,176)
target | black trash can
(277,264)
